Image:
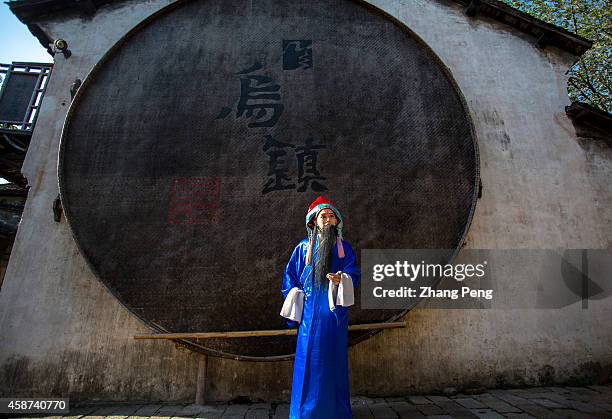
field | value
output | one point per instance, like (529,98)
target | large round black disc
(193,149)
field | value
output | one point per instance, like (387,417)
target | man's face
(326,217)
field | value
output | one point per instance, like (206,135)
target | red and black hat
(317,206)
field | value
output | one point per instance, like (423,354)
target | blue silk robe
(320,387)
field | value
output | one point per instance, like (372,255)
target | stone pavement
(540,402)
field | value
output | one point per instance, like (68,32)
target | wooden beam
(258,333)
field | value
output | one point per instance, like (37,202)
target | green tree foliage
(590,80)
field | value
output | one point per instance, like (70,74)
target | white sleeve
(293,305)
(346,294)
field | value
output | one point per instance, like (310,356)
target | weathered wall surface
(62,334)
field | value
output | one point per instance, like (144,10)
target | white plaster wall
(62,334)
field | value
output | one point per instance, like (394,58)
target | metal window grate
(21,94)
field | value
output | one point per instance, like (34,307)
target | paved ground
(542,402)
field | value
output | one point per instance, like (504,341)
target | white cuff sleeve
(346,294)
(341,294)
(293,305)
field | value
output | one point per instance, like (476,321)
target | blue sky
(18,44)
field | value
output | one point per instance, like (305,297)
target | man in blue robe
(324,270)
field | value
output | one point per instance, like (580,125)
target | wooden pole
(201,381)
(255,333)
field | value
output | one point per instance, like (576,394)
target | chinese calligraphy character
(307,166)
(259,98)
(278,167)
(297,54)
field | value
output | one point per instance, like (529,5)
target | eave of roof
(589,120)
(544,33)
(28,11)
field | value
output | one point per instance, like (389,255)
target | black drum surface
(193,149)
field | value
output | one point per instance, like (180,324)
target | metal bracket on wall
(74,87)
(57,209)
(60,45)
